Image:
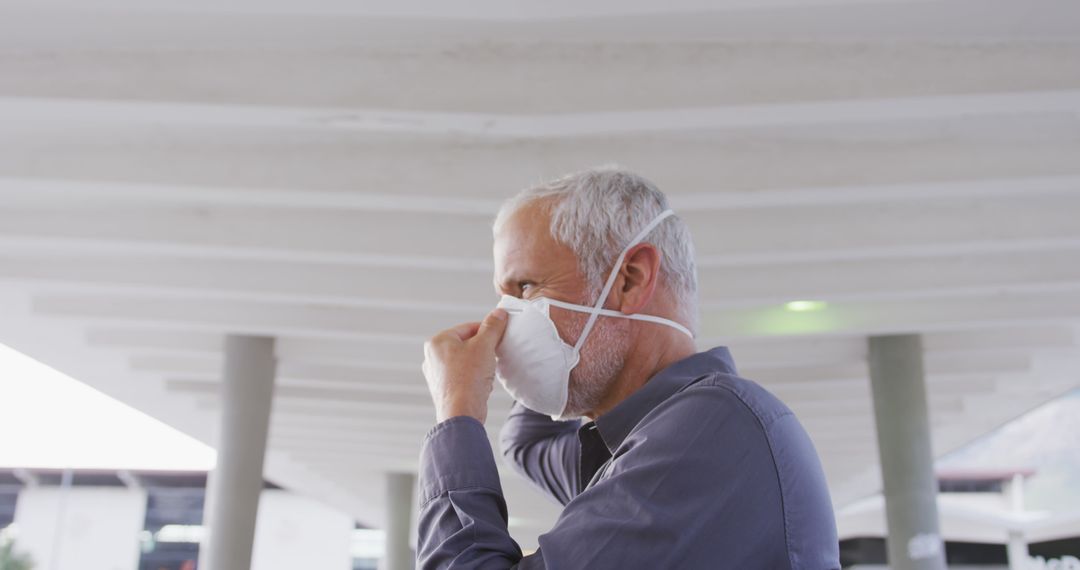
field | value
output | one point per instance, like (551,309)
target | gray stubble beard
(602,359)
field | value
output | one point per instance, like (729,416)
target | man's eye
(524,285)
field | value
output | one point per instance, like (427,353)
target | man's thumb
(492,328)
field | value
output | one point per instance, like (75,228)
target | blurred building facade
(152,520)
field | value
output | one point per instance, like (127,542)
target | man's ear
(638,277)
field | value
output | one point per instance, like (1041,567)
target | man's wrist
(456,454)
(455,409)
(456,413)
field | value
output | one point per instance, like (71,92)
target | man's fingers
(459,364)
(464,331)
(488,332)
(492,328)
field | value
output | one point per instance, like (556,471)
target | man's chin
(580,408)
(587,399)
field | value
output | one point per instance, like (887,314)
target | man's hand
(459,365)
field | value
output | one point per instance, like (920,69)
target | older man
(663,457)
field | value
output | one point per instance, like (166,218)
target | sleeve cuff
(457,455)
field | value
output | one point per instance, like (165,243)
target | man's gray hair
(598,211)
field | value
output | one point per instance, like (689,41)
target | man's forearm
(543,450)
(524,426)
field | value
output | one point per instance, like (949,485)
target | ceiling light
(805,306)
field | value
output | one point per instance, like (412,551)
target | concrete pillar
(902,416)
(400,488)
(1017,547)
(235,485)
(61,513)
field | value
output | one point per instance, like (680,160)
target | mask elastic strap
(610,313)
(595,313)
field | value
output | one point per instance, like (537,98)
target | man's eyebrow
(507,283)
(511,282)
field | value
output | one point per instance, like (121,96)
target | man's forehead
(528,221)
(524,247)
(525,233)
(524,230)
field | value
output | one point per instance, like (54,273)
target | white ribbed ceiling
(326,172)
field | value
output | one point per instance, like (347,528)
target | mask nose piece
(511,304)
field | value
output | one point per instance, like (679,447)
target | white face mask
(533,362)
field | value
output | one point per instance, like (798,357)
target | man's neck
(646,357)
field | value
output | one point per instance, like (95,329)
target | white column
(236,482)
(902,416)
(1017,548)
(61,515)
(400,488)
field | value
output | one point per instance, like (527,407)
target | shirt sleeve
(545,451)
(462,521)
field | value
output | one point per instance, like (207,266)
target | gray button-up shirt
(697,469)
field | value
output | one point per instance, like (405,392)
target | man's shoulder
(719,390)
(736,410)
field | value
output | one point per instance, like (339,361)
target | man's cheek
(569,324)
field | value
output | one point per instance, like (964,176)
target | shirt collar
(615,425)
